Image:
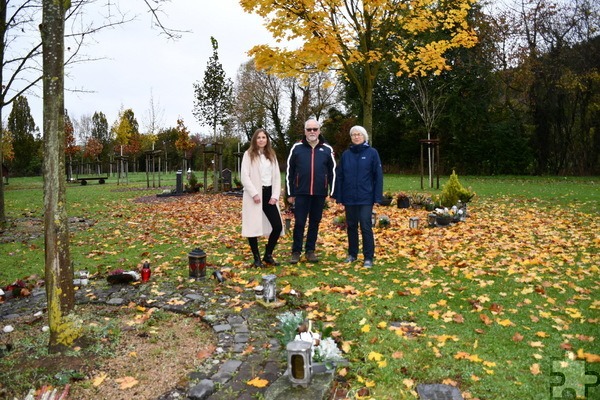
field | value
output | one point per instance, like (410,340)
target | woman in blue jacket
(360,183)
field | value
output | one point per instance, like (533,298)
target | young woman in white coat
(261,179)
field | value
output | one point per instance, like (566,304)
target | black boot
(268,259)
(254,247)
(257,262)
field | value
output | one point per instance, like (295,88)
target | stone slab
(318,389)
(438,391)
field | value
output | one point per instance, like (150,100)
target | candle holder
(431,218)
(269,287)
(197,264)
(299,363)
(413,222)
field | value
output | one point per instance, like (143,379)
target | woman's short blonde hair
(361,130)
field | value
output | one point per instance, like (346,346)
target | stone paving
(222,376)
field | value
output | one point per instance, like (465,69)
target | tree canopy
(357,38)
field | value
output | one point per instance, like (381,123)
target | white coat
(254,221)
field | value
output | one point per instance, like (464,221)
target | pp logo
(573,378)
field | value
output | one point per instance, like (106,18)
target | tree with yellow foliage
(357,38)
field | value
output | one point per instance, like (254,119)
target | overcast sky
(140,64)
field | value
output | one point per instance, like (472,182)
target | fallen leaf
(409,383)
(459,319)
(258,382)
(99,379)
(535,369)
(485,319)
(127,382)
(517,337)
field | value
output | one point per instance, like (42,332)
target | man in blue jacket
(310,173)
(360,185)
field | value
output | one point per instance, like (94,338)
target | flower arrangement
(446,215)
(402,200)
(383,221)
(295,326)
(419,200)
(387,198)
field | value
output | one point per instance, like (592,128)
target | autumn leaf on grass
(99,379)
(365,328)
(535,369)
(517,337)
(346,345)
(127,382)
(505,322)
(588,356)
(485,319)
(257,382)
(458,318)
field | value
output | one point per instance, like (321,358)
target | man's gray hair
(312,120)
(360,129)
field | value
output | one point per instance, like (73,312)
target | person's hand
(272,201)
(291,200)
(256,199)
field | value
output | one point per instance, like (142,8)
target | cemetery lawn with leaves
(485,305)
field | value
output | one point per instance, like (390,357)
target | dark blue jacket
(310,171)
(359,176)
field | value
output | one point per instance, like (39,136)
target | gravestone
(438,391)
(226,176)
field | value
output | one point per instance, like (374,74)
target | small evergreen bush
(453,191)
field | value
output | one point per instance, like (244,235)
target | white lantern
(269,287)
(299,366)
(413,222)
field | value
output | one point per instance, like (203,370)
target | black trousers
(272,214)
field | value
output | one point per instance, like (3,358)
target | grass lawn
(492,305)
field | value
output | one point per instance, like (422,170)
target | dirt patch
(133,353)
(30,228)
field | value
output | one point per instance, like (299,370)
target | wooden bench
(101,179)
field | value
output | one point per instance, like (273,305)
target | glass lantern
(413,222)
(197,264)
(299,365)
(269,287)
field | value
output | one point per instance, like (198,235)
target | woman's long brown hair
(254,149)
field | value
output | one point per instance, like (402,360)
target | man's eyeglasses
(312,129)
(355,134)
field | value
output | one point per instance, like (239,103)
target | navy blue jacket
(310,171)
(360,176)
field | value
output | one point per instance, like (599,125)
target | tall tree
(64,330)
(357,37)
(549,61)
(23,129)
(100,132)
(213,100)
(59,272)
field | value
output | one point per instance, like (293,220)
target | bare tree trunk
(2,35)
(58,269)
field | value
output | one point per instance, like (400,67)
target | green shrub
(453,191)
